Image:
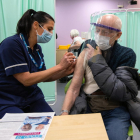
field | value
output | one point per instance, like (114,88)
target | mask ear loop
(36,32)
(119,40)
(41,27)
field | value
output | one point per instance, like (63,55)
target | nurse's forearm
(62,73)
(28,79)
(57,76)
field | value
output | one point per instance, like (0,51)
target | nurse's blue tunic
(14,58)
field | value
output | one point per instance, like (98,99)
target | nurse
(22,65)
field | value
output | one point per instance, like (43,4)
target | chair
(130,132)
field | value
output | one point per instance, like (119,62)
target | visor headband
(104,26)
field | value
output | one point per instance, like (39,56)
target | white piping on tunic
(15,65)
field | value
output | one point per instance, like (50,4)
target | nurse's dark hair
(24,25)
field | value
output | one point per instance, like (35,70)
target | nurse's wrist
(59,67)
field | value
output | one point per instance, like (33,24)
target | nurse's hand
(67,60)
(71,68)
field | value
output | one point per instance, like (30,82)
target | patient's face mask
(102,41)
(45,37)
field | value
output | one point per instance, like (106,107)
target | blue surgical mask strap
(41,27)
(41,65)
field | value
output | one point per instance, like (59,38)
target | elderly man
(108,82)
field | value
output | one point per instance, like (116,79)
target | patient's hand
(89,52)
(92,52)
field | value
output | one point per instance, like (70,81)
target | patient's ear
(118,35)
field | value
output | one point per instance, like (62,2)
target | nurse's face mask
(45,37)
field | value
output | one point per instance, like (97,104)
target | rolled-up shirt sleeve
(13,58)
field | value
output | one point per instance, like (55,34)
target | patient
(106,66)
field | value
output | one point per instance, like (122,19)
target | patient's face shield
(104,30)
(106,25)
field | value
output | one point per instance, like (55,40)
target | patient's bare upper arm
(78,74)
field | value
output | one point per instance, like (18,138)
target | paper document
(25,126)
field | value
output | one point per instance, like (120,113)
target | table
(77,127)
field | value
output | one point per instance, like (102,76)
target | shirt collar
(36,48)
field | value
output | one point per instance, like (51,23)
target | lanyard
(39,67)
